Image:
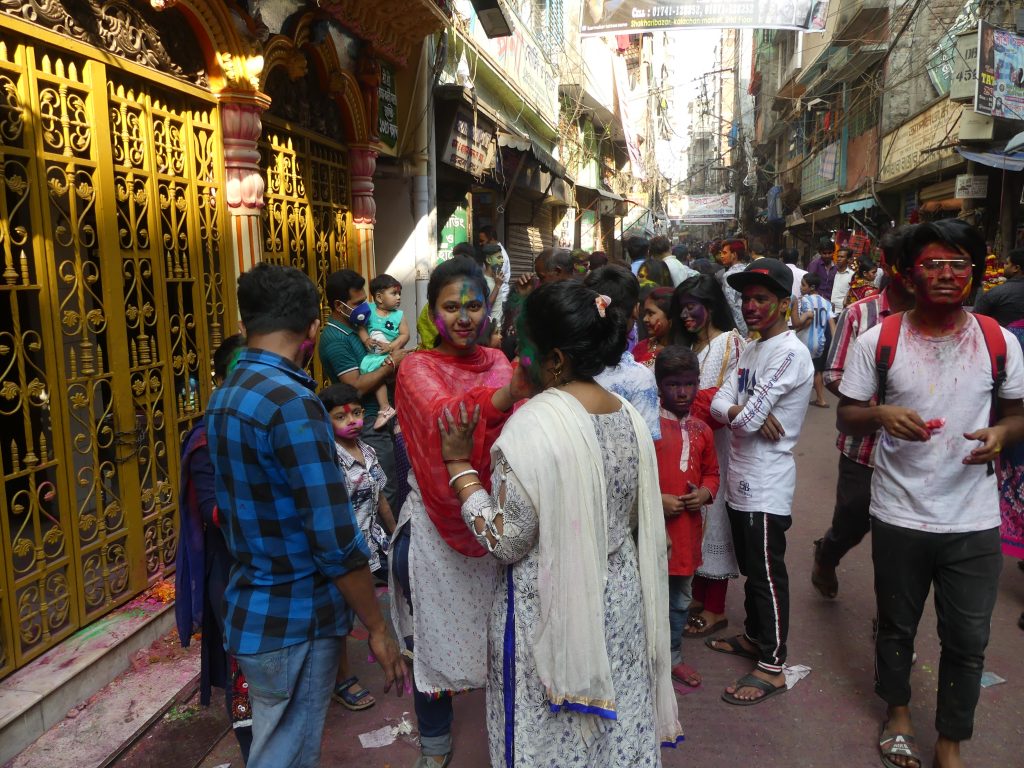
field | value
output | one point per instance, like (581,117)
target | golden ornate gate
(112,295)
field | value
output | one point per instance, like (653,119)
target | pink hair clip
(602,302)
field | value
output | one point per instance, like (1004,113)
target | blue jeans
(434,713)
(680,593)
(290,690)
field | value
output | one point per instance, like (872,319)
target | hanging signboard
(963,81)
(618,17)
(1000,85)
(971,187)
(387,106)
(469,148)
(925,139)
(708,209)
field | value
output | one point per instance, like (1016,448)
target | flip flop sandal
(355,702)
(749,681)
(735,648)
(700,625)
(686,674)
(897,745)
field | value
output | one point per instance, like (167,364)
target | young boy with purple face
(763,404)
(689,477)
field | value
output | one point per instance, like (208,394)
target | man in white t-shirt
(934,506)
(488,235)
(763,404)
(841,282)
(660,249)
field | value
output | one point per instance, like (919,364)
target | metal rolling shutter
(525,241)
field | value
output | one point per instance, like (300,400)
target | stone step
(57,694)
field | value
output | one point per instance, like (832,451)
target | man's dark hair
(340,285)
(659,246)
(551,259)
(1016,257)
(638,248)
(789,255)
(673,360)
(812,280)
(275,298)
(338,394)
(598,259)
(757,246)
(825,245)
(618,284)
(488,231)
(464,249)
(680,251)
(225,354)
(382,282)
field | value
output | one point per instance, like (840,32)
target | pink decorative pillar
(362,164)
(241,129)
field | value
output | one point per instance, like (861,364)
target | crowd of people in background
(559,482)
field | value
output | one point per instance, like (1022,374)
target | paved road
(831,718)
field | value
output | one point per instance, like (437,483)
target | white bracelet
(451,483)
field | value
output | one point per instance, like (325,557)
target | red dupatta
(427,382)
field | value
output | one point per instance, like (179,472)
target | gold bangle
(469,485)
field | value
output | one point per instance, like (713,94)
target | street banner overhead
(1000,89)
(621,17)
(708,209)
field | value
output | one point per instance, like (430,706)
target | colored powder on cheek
(442,328)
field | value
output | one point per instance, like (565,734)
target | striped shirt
(284,508)
(853,321)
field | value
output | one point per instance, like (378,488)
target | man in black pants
(851,518)
(934,504)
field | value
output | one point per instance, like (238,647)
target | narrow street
(831,717)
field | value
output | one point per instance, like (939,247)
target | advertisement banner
(925,139)
(618,17)
(1000,91)
(709,209)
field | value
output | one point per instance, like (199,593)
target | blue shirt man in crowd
(301,562)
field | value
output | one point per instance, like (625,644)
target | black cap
(771,273)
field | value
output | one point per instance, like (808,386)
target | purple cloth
(827,273)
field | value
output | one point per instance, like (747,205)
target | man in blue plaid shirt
(301,562)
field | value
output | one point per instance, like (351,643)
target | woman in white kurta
(578,629)
(702,320)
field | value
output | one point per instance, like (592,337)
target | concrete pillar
(362,165)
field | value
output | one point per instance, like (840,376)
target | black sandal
(735,647)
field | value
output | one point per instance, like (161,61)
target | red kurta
(675,471)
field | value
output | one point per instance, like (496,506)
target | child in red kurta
(688,472)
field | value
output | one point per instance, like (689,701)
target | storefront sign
(454,231)
(708,209)
(975,127)
(920,141)
(1000,86)
(520,60)
(387,106)
(971,187)
(608,17)
(469,148)
(963,80)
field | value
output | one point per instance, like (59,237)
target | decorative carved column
(241,128)
(362,164)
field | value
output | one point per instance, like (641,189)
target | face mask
(359,314)
(306,351)
(350,431)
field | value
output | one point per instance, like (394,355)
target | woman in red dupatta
(442,586)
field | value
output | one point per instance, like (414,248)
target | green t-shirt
(341,351)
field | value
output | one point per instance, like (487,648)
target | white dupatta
(552,447)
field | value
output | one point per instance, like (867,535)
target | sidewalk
(831,718)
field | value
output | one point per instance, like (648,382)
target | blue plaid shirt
(284,509)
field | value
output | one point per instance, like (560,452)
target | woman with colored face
(441,582)
(581,460)
(657,323)
(703,321)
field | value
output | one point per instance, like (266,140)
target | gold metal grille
(111,296)
(307,213)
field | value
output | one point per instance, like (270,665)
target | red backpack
(888,340)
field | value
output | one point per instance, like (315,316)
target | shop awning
(825,213)
(528,145)
(949,204)
(857,205)
(601,192)
(1010,162)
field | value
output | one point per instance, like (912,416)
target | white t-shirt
(840,288)
(772,377)
(814,334)
(678,270)
(798,275)
(925,486)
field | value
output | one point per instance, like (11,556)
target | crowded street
(829,719)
